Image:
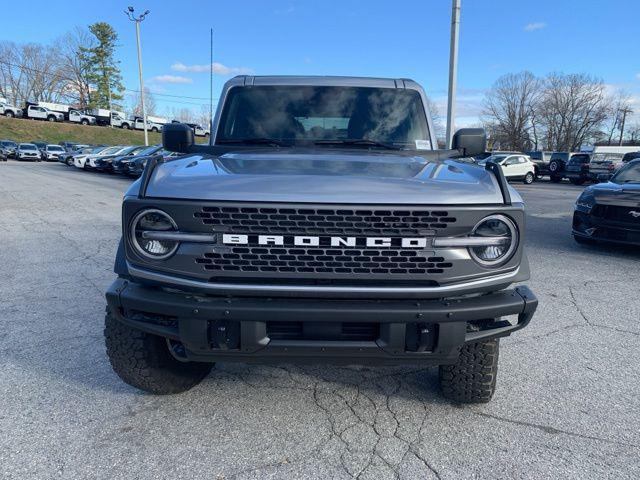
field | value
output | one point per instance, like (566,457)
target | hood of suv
(324,177)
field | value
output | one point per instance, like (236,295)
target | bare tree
(509,109)
(149,103)
(30,72)
(438,124)
(572,110)
(74,64)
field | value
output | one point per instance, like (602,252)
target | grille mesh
(306,260)
(312,221)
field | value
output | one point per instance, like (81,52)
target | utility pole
(211,93)
(138,20)
(453,69)
(625,111)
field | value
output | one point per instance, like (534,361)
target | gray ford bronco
(320,224)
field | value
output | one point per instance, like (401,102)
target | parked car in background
(577,169)
(10,110)
(103,163)
(610,212)
(68,146)
(154,124)
(120,164)
(88,161)
(80,158)
(10,147)
(28,151)
(3,154)
(43,113)
(53,152)
(78,117)
(541,161)
(514,166)
(606,164)
(136,166)
(41,146)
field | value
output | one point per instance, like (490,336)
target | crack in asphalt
(552,430)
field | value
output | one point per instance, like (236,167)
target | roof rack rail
(502,181)
(146,174)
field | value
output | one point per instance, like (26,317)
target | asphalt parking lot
(567,403)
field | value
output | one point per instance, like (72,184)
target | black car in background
(105,164)
(120,164)
(610,212)
(577,169)
(136,166)
(541,160)
(9,147)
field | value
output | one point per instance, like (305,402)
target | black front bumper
(593,227)
(319,330)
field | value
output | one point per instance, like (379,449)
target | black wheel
(51,118)
(583,240)
(473,378)
(9,114)
(154,129)
(144,361)
(529,178)
(577,181)
(556,178)
(84,121)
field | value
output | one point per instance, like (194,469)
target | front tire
(85,122)
(529,178)
(555,178)
(144,361)
(9,114)
(51,118)
(473,378)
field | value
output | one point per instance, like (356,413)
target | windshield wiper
(255,141)
(360,141)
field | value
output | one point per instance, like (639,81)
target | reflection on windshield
(299,114)
(629,174)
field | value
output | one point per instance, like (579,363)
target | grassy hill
(23,130)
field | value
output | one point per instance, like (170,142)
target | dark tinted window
(628,174)
(579,159)
(305,113)
(630,156)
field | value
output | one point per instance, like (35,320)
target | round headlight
(502,236)
(143,227)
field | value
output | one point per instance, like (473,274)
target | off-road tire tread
(143,360)
(473,378)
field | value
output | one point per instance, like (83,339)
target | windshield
(149,150)
(606,157)
(55,148)
(628,174)
(110,150)
(493,158)
(27,146)
(10,144)
(306,114)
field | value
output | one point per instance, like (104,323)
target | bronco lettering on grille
(315,241)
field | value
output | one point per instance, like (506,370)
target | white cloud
(530,27)
(171,79)
(218,68)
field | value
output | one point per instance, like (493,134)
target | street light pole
(138,20)
(453,69)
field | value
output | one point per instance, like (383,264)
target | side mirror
(470,141)
(177,137)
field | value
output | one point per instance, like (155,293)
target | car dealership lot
(567,403)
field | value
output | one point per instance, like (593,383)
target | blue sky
(348,37)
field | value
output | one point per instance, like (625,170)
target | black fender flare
(120,264)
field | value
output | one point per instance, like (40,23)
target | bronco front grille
(305,260)
(315,221)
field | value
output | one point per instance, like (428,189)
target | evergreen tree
(103,72)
